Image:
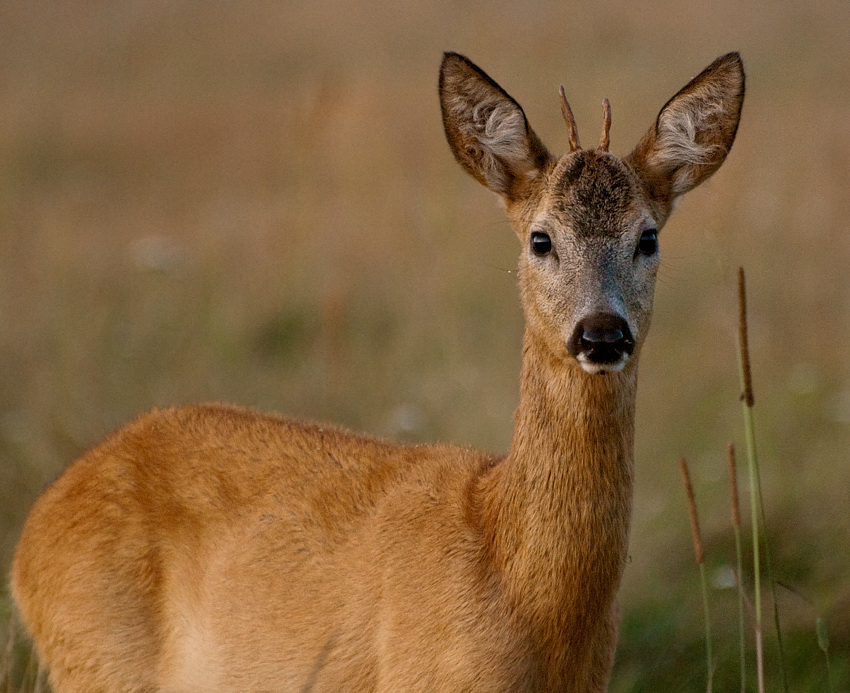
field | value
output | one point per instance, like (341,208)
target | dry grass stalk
(736,527)
(760,538)
(692,509)
(700,559)
(733,486)
(743,337)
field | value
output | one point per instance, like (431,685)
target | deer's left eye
(541,244)
(648,243)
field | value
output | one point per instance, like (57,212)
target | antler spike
(606,126)
(567,112)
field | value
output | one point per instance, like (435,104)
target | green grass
(255,204)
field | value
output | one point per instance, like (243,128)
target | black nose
(601,338)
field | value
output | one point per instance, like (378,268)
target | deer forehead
(594,195)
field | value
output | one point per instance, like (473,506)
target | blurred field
(253,202)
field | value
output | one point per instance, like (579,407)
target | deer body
(212,548)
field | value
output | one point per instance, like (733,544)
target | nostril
(601,338)
(594,336)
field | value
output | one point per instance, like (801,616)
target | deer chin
(601,367)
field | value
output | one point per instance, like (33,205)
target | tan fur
(212,549)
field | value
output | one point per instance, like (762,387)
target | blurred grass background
(253,202)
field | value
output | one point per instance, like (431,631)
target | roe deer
(211,548)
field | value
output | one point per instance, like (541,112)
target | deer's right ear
(693,132)
(487,130)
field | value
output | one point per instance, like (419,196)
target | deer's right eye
(541,244)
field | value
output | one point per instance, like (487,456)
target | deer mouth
(601,367)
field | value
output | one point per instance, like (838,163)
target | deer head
(589,221)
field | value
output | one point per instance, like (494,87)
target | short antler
(570,120)
(606,126)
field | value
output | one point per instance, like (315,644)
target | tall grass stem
(739,554)
(823,643)
(748,400)
(699,555)
(760,538)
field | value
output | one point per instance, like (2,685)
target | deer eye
(541,244)
(648,243)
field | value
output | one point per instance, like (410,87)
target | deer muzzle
(601,342)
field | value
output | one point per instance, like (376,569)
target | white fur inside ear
(680,127)
(499,130)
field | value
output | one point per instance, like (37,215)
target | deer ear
(487,130)
(693,132)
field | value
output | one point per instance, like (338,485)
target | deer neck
(558,507)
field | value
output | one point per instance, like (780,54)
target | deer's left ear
(693,132)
